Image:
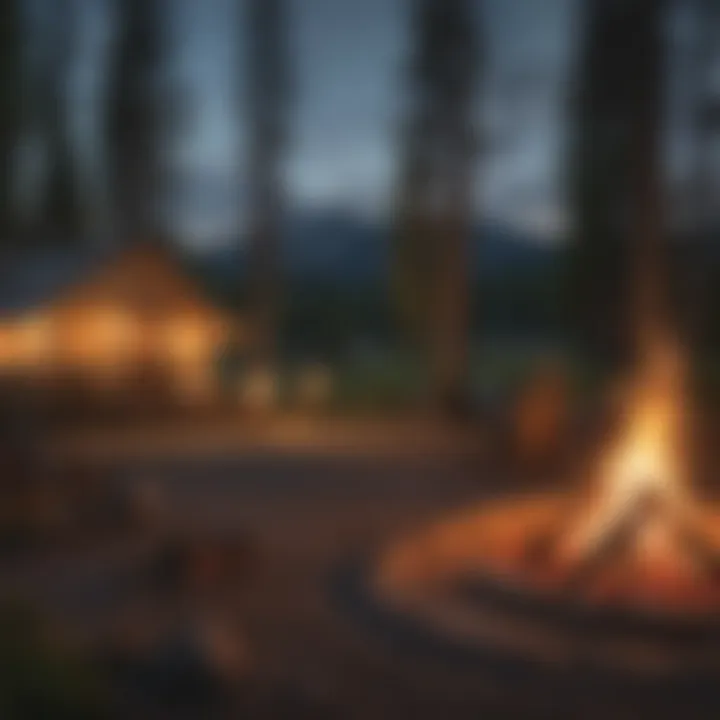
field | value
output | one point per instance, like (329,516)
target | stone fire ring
(466,583)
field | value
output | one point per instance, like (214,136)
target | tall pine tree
(268,99)
(10,109)
(702,297)
(135,119)
(62,215)
(617,276)
(434,208)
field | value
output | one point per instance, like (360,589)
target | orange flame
(645,461)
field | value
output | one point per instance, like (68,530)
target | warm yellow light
(186,341)
(103,339)
(186,345)
(26,343)
(646,461)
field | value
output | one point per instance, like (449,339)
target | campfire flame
(641,489)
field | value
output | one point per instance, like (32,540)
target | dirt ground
(308,514)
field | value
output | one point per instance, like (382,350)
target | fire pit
(625,574)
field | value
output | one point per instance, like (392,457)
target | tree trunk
(705,219)
(450,347)
(647,204)
(434,221)
(615,176)
(136,131)
(268,86)
(63,211)
(10,112)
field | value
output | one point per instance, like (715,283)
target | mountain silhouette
(336,245)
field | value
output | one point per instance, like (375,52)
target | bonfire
(634,533)
(640,507)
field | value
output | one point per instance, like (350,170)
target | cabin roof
(147,279)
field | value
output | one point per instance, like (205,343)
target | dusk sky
(349,83)
(348,73)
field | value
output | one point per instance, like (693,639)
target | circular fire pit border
(545,627)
